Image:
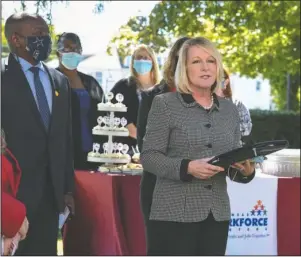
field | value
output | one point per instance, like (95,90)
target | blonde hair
(181,78)
(155,73)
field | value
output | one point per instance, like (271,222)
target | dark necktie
(41,97)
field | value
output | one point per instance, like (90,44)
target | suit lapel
(16,74)
(55,90)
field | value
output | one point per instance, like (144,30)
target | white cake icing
(117,129)
(103,169)
(101,104)
(97,127)
(92,154)
(136,157)
(123,129)
(119,105)
(115,156)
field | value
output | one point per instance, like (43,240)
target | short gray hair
(13,23)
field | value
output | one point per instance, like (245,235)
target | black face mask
(39,47)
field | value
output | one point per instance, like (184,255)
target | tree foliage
(254,37)
(44,6)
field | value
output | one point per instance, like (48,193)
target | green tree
(4,45)
(254,37)
(44,6)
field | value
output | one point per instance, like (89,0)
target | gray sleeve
(245,118)
(153,156)
(235,174)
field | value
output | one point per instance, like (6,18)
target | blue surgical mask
(143,66)
(71,60)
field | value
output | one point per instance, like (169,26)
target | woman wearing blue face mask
(86,94)
(144,74)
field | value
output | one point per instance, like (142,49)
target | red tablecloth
(108,219)
(288,216)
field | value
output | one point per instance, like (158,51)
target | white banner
(253,228)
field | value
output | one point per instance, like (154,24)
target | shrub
(273,125)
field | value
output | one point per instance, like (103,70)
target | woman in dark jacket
(86,94)
(166,85)
(144,75)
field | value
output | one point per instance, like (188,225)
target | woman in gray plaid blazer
(190,209)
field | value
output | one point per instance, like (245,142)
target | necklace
(209,107)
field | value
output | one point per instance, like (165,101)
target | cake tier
(108,160)
(103,132)
(130,168)
(109,108)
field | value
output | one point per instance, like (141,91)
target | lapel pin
(56,93)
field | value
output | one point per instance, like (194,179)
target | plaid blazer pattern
(179,128)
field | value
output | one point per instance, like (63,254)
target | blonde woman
(190,209)
(144,74)
(148,180)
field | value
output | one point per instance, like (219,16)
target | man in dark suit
(36,116)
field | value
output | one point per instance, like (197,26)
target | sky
(94,30)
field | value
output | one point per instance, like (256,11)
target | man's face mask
(39,47)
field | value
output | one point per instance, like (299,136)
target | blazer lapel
(19,79)
(55,90)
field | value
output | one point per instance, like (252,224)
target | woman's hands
(11,244)
(246,168)
(7,243)
(202,169)
(23,229)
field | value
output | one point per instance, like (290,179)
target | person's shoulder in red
(10,172)
(12,216)
(13,211)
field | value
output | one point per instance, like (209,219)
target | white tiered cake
(114,152)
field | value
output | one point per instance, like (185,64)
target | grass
(60,244)
(60,247)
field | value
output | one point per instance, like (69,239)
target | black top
(128,88)
(96,93)
(147,98)
(148,179)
